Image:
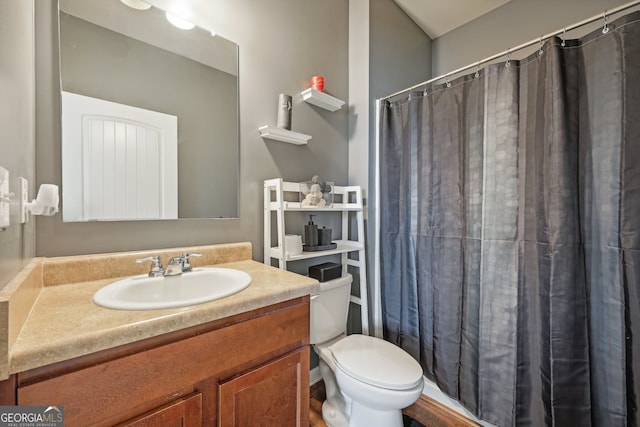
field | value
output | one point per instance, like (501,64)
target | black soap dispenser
(311,233)
(324,236)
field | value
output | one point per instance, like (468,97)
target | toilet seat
(324,352)
(376,362)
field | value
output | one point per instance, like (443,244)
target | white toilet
(367,380)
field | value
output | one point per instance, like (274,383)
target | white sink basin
(150,293)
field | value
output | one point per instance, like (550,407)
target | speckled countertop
(64,323)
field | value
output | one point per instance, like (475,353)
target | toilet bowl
(367,380)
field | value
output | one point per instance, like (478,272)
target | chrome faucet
(174,268)
(156,265)
(180,264)
(177,265)
(186,261)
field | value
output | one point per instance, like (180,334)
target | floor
(317,396)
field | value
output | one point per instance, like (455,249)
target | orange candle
(317,82)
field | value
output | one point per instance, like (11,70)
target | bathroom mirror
(149,115)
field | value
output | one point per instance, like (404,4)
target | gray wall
(400,56)
(512,24)
(282,44)
(400,52)
(17,121)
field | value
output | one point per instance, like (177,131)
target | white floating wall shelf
(283,135)
(321,99)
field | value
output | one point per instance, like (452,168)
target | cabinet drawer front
(184,412)
(93,394)
(276,394)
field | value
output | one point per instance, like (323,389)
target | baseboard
(430,412)
(314,376)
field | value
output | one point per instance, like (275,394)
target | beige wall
(17,121)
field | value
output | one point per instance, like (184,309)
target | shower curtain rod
(604,16)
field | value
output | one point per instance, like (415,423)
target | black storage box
(326,271)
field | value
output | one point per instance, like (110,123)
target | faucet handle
(156,265)
(186,261)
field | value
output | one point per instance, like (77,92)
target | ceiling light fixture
(137,4)
(179,22)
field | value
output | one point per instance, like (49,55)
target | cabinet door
(186,412)
(276,394)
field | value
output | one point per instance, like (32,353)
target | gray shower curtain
(510,233)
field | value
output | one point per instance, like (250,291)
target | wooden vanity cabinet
(267,396)
(251,369)
(183,412)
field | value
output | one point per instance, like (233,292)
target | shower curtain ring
(448,82)
(477,74)
(605,29)
(508,63)
(540,51)
(564,43)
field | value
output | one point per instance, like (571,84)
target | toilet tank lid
(377,362)
(335,283)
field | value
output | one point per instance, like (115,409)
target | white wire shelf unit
(275,193)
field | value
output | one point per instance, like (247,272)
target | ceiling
(437,17)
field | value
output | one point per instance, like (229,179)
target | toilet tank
(329,309)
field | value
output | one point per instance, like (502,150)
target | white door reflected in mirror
(119,162)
